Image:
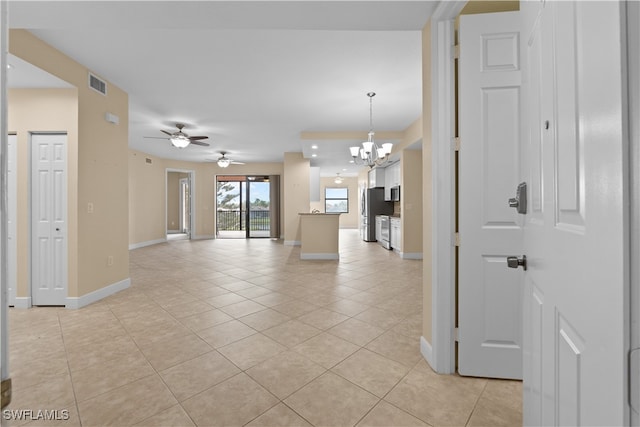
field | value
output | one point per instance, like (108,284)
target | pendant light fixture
(370,153)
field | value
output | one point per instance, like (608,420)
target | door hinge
(456,143)
(456,51)
(456,334)
(456,239)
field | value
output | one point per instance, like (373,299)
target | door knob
(515,262)
(57,229)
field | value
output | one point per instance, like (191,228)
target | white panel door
(490,294)
(48,219)
(575,309)
(12,195)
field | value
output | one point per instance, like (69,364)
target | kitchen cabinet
(396,234)
(376,177)
(391,179)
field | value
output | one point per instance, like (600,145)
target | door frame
(633,82)
(440,353)
(182,183)
(11,204)
(192,204)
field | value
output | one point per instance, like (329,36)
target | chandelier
(370,154)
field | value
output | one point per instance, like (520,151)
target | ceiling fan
(224,161)
(180,139)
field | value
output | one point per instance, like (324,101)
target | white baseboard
(22,302)
(411,255)
(427,352)
(329,256)
(204,237)
(292,242)
(147,243)
(91,297)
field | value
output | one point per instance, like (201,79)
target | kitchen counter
(319,236)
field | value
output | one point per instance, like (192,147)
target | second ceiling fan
(224,161)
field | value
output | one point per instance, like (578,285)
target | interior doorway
(179,208)
(247,206)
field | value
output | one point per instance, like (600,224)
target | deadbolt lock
(520,201)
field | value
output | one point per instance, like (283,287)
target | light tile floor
(242,332)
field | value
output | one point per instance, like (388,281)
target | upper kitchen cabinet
(392,177)
(376,177)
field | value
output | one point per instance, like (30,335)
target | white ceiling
(252,75)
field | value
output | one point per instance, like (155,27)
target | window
(336,200)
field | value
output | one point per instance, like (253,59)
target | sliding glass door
(258,207)
(244,207)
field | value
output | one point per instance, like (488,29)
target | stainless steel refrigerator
(371,204)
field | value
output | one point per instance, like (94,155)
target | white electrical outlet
(109,261)
(90,207)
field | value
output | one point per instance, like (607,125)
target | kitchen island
(319,236)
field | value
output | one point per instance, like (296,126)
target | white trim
(426,350)
(411,255)
(292,243)
(443,197)
(91,297)
(4,311)
(204,237)
(311,256)
(147,243)
(22,302)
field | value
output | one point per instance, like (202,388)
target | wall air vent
(148,160)
(97,84)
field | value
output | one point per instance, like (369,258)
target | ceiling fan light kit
(180,141)
(370,153)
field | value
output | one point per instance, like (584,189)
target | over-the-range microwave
(395,193)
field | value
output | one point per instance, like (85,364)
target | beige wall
(411,201)
(296,194)
(147,193)
(97,169)
(146,198)
(489,6)
(173,199)
(347,220)
(44,110)
(427,261)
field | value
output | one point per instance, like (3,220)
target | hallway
(242,332)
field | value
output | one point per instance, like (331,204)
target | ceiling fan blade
(192,138)
(204,144)
(155,137)
(237,163)
(164,131)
